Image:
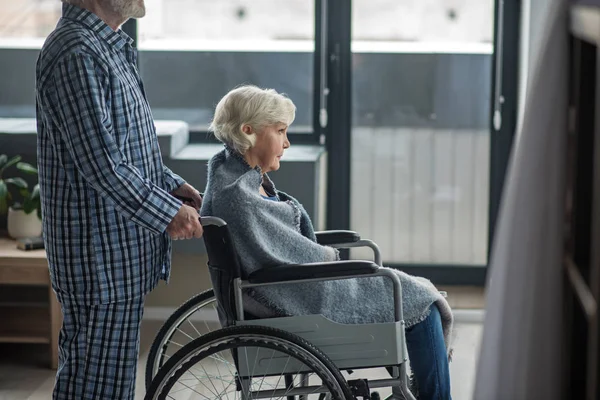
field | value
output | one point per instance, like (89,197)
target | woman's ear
(247,129)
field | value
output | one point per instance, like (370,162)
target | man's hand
(187,190)
(185,224)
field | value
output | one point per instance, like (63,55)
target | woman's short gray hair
(249,105)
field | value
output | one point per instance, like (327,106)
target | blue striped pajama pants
(98,350)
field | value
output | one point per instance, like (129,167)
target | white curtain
(521,343)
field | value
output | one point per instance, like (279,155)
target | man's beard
(129,8)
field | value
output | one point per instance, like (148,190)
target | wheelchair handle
(184,198)
(208,220)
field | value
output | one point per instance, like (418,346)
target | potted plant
(24,213)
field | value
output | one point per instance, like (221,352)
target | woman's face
(271,142)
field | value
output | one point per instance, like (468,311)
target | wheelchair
(210,348)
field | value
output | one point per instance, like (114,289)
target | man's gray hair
(249,105)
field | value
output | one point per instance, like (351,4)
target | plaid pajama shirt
(105,201)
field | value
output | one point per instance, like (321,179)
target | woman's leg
(429,358)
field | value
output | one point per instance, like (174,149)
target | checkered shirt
(103,185)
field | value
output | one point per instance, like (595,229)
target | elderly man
(109,204)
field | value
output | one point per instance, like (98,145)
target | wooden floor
(23,372)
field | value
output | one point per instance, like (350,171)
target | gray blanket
(268,233)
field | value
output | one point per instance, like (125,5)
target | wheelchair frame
(349,347)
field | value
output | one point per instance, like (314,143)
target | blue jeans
(429,358)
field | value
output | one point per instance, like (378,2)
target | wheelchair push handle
(185,198)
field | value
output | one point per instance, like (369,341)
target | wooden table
(26,319)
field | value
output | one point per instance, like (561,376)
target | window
(23,20)
(201,23)
(424,21)
(192,52)
(420,139)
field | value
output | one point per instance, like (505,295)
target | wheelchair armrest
(336,237)
(297,272)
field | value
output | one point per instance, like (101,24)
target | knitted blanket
(270,233)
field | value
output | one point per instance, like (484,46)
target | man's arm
(172,180)
(79,108)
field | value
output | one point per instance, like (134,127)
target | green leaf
(10,162)
(18,182)
(3,158)
(32,200)
(35,206)
(27,168)
(28,205)
(3,198)
(35,193)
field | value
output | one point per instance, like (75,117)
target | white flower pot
(21,225)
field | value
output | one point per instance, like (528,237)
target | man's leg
(429,358)
(98,350)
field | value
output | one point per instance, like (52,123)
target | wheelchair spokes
(248,363)
(207,379)
(197,317)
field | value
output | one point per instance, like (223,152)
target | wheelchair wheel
(248,362)
(192,319)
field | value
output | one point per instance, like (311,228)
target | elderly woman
(271,228)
